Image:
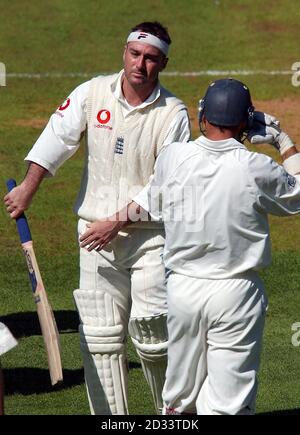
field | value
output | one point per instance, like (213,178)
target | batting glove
(266,129)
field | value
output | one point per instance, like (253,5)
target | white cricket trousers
(130,269)
(215,332)
(122,287)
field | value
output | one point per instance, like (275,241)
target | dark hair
(155,28)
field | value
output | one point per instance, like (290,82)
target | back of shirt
(214,199)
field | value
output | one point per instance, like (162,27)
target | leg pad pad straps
(150,337)
(103,351)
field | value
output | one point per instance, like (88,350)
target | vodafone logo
(103,116)
(65,105)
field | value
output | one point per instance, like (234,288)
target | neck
(136,95)
(221,133)
(219,136)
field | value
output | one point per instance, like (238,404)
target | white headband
(147,38)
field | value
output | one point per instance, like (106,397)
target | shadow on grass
(26,324)
(26,380)
(282,412)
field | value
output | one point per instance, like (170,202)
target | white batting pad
(7,341)
(102,342)
(150,337)
(97,308)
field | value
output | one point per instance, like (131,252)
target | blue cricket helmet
(227,103)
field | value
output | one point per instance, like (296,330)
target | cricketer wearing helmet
(128,118)
(214,197)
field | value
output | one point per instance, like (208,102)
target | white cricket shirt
(214,197)
(60,138)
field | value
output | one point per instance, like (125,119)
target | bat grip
(21,221)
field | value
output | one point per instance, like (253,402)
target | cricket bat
(45,313)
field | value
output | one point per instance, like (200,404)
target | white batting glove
(266,129)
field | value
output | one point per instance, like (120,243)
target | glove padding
(266,129)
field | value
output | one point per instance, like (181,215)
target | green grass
(88,37)
(280,384)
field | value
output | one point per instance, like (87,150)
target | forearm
(34,176)
(19,199)
(132,213)
(291,161)
(99,233)
(289,153)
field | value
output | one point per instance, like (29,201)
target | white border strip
(171,74)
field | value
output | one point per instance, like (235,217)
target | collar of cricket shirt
(116,88)
(219,145)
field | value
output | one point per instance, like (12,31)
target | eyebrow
(148,55)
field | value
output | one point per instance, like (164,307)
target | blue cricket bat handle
(22,224)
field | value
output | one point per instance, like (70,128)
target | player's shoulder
(257,161)
(184,149)
(105,78)
(180,158)
(262,169)
(179,152)
(76,98)
(102,80)
(165,94)
(83,88)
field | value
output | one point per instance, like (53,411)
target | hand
(99,234)
(18,200)
(265,129)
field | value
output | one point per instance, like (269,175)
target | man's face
(142,63)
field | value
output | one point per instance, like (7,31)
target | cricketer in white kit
(7,342)
(214,197)
(128,118)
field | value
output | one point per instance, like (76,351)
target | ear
(164,63)
(203,125)
(124,52)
